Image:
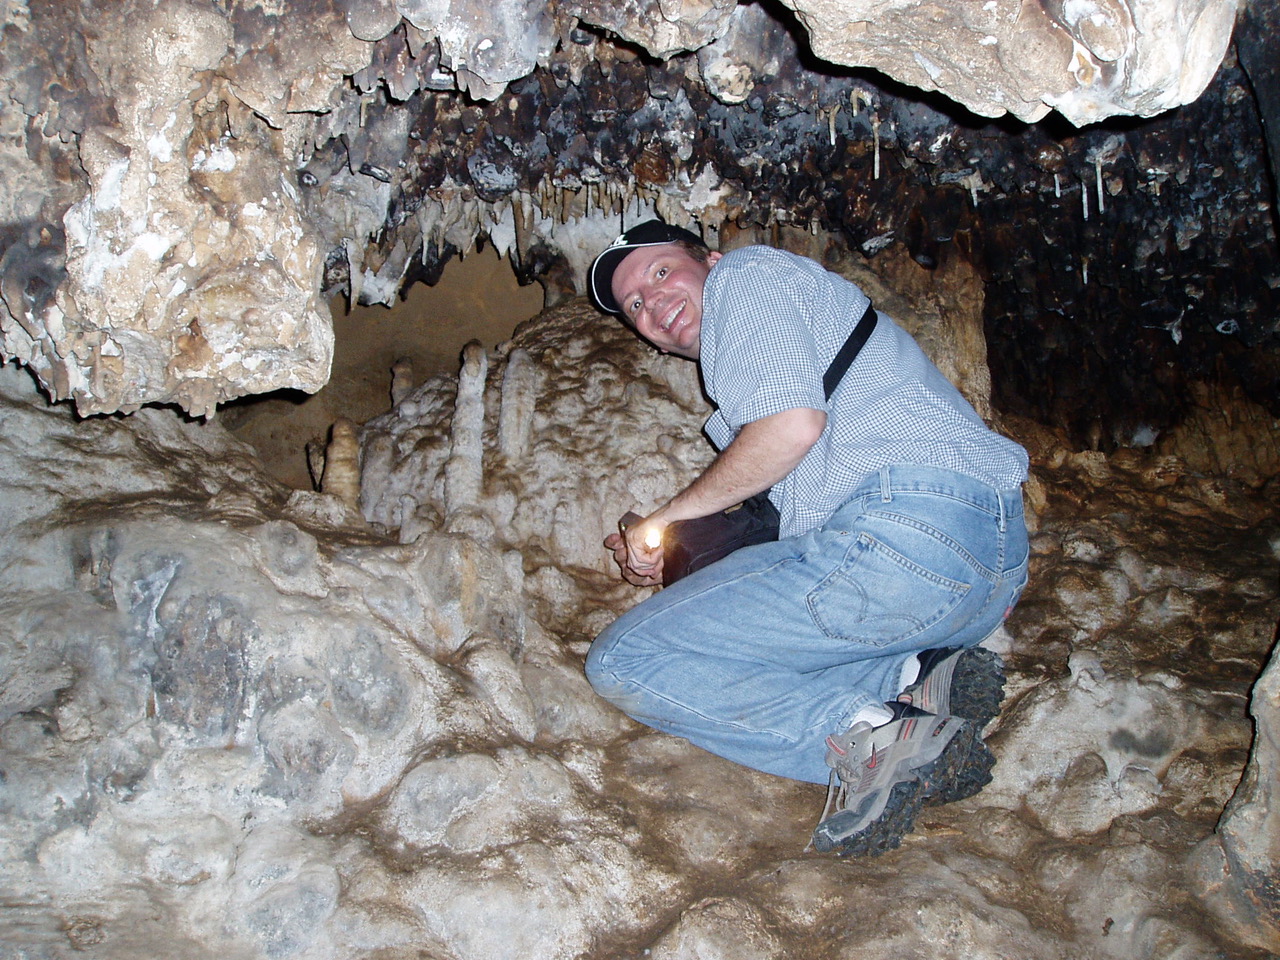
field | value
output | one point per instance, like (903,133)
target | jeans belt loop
(885,495)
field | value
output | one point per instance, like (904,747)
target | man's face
(660,292)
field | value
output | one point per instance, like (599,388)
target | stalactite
(355,268)
(1097,168)
(875,130)
(523,209)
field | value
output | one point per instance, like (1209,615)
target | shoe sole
(971,775)
(970,686)
(906,798)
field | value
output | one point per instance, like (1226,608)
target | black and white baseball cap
(651,233)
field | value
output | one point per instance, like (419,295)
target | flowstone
(236,722)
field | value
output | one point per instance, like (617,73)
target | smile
(670,318)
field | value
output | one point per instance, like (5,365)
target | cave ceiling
(188,184)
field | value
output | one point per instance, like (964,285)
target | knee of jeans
(603,679)
(594,666)
(606,682)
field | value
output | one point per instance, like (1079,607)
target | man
(846,651)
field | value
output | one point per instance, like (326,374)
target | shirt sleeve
(718,430)
(766,356)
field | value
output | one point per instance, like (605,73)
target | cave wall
(187,191)
(250,722)
(244,722)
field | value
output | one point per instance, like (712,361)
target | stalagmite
(315,451)
(342,464)
(515,416)
(401,380)
(464,471)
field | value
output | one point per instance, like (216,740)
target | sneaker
(964,682)
(882,776)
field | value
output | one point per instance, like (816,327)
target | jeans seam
(942,537)
(908,564)
(717,721)
(949,495)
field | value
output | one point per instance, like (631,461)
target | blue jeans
(760,656)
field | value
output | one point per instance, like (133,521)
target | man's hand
(637,549)
(764,452)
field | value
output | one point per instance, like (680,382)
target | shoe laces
(833,803)
(844,768)
(844,758)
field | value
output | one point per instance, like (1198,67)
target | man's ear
(713,257)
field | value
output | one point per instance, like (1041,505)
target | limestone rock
(185,179)
(211,293)
(1238,868)
(1085,60)
(233,723)
(663,28)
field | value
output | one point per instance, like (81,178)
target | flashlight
(652,536)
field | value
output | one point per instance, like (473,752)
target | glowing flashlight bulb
(652,538)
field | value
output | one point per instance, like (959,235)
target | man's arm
(764,452)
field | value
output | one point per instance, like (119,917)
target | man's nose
(653,305)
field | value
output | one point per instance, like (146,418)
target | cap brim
(652,233)
(602,275)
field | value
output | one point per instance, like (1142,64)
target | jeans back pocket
(879,597)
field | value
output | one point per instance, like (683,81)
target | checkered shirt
(772,322)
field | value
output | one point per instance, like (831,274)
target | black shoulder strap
(849,352)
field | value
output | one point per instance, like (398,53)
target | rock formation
(188,181)
(236,724)
(1237,866)
(244,721)
(1086,60)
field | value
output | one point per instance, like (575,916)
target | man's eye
(635,305)
(662,272)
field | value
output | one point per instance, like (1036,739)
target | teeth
(671,318)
